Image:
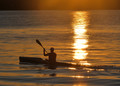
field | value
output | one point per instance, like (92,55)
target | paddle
(40,44)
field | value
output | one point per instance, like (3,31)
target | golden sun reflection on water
(80,23)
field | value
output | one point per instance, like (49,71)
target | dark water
(79,37)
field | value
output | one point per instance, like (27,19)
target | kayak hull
(32,60)
(35,60)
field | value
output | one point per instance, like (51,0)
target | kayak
(35,60)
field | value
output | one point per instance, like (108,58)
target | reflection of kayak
(34,60)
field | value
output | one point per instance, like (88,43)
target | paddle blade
(38,42)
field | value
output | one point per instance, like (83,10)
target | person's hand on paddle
(44,49)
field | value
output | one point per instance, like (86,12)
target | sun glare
(80,37)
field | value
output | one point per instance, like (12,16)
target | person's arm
(44,52)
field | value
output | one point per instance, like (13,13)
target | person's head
(51,49)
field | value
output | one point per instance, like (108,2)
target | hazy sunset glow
(59,4)
(78,4)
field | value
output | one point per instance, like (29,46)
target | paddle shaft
(44,48)
(41,45)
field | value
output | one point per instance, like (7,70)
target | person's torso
(52,57)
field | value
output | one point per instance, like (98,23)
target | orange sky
(59,4)
(79,4)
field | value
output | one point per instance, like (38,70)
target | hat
(51,48)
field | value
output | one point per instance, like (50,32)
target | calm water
(79,37)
